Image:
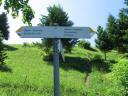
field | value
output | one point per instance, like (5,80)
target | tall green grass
(31,76)
(100,85)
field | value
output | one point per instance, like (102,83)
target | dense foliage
(120,74)
(112,30)
(4,26)
(4,34)
(100,85)
(14,6)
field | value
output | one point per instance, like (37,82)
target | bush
(84,44)
(120,73)
(37,44)
(99,85)
(25,44)
(114,83)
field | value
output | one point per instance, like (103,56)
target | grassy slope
(31,76)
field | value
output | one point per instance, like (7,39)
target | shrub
(120,73)
(84,44)
(2,52)
(37,44)
(99,85)
(25,44)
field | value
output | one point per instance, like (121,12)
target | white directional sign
(54,32)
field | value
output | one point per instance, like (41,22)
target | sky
(83,13)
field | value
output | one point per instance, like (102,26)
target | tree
(103,41)
(113,31)
(14,6)
(126,40)
(57,15)
(4,33)
(123,26)
(4,26)
(126,2)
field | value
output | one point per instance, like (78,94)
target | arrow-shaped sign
(54,32)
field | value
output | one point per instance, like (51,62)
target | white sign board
(54,32)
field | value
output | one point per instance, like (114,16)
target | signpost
(55,32)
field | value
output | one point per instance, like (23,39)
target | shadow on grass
(92,49)
(76,63)
(71,63)
(85,65)
(102,65)
(4,68)
(10,48)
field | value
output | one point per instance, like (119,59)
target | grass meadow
(84,73)
(29,75)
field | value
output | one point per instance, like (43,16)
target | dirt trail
(87,78)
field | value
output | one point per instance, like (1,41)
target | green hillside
(27,74)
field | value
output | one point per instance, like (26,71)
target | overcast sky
(82,12)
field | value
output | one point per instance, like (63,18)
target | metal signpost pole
(52,32)
(56,68)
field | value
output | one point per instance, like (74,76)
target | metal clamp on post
(56,42)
